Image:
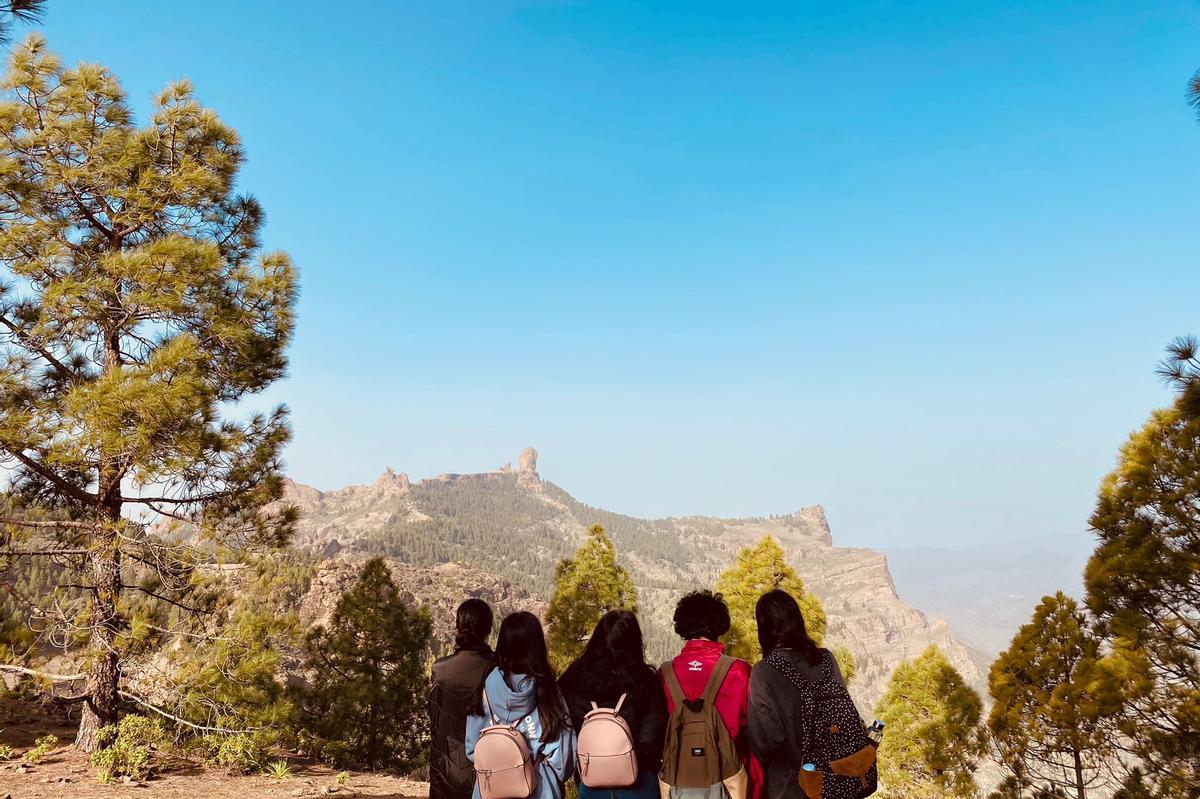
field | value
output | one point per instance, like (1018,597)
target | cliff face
(438,590)
(514,527)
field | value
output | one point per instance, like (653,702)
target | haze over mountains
(513,524)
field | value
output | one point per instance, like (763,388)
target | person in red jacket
(701,618)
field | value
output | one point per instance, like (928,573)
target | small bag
(606,750)
(504,766)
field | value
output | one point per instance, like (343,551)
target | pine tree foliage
(934,738)
(27,12)
(365,704)
(136,309)
(585,588)
(1054,701)
(1143,586)
(756,570)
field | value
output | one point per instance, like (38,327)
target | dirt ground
(66,773)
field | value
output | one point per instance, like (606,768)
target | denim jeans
(646,787)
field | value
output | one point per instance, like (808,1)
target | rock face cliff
(512,524)
(438,590)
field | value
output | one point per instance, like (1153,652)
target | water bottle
(875,732)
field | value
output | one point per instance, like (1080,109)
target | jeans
(646,787)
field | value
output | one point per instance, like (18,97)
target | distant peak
(527,473)
(390,480)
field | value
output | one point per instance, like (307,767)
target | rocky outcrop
(527,473)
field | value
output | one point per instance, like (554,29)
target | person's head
(781,626)
(521,649)
(615,650)
(701,614)
(472,624)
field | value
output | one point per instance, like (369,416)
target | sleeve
(475,725)
(559,755)
(765,730)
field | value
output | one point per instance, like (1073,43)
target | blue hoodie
(519,703)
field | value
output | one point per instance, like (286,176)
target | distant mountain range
(513,524)
(986,593)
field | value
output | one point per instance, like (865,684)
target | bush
(127,748)
(243,752)
(41,747)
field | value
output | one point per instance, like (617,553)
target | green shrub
(127,748)
(244,752)
(6,752)
(41,747)
(279,770)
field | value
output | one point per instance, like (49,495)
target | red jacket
(692,666)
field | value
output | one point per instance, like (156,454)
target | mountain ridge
(512,523)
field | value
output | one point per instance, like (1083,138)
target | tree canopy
(1054,701)
(585,588)
(933,740)
(1143,588)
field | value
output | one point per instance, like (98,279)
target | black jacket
(457,680)
(774,724)
(645,707)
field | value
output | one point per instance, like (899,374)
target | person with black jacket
(614,663)
(457,681)
(779,722)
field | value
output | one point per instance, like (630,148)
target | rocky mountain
(513,524)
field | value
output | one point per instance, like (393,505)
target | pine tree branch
(29,342)
(47,524)
(172,717)
(66,487)
(43,674)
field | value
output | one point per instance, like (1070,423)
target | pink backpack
(504,766)
(606,751)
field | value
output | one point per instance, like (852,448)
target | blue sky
(914,261)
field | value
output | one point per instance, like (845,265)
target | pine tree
(756,570)
(585,588)
(366,700)
(933,740)
(1143,587)
(136,309)
(1054,701)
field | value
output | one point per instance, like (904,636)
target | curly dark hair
(701,614)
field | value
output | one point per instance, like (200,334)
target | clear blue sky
(911,260)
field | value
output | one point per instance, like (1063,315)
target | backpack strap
(671,680)
(488,707)
(620,702)
(716,678)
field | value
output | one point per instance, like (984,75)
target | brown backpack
(699,753)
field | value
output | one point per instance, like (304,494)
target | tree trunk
(104,678)
(1079,790)
(100,703)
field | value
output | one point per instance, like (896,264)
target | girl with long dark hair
(792,692)
(614,664)
(523,688)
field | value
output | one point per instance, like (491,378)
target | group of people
(784,722)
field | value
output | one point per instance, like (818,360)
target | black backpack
(833,736)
